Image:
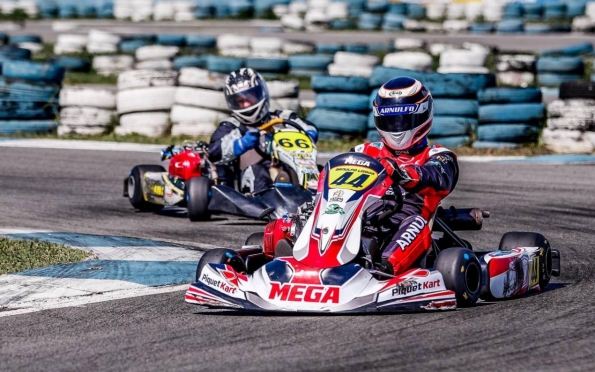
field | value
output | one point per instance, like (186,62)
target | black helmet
(247,96)
(403,112)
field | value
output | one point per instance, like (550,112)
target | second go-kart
(191,180)
(326,257)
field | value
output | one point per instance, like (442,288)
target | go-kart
(192,180)
(326,257)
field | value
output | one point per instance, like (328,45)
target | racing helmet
(403,113)
(247,96)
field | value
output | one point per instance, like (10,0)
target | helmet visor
(401,118)
(245,99)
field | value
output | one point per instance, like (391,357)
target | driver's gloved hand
(313,135)
(397,174)
(248,142)
(386,267)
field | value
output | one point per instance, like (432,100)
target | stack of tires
(137,10)
(352,64)
(86,111)
(553,71)
(101,42)
(467,61)
(174,10)
(284,95)
(155,57)
(342,105)
(29,96)
(265,56)
(509,117)
(515,70)
(33,43)
(233,45)
(199,103)
(112,65)
(70,44)
(571,120)
(144,101)
(419,61)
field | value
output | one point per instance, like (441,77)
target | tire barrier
(512,132)
(339,121)
(418,61)
(456,107)
(86,111)
(224,64)
(111,65)
(310,63)
(133,79)
(150,124)
(33,71)
(553,71)
(190,61)
(451,142)
(508,95)
(73,64)
(350,102)
(511,113)
(448,126)
(342,84)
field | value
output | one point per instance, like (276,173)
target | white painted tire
(346,70)
(103,37)
(473,11)
(572,109)
(292,21)
(455,25)
(297,8)
(155,64)
(151,124)
(60,49)
(201,78)
(113,63)
(337,11)
(192,115)
(197,129)
(462,70)
(292,104)
(583,24)
(355,59)
(133,79)
(74,40)
(146,99)
(85,117)
(518,62)
(280,10)
(461,57)
(435,11)
(266,44)
(33,47)
(437,48)
(235,52)
(405,43)
(568,141)
(87,97)
(418,61)
(198,97)
(151,52)
(231,41)
(297,48)
(64,130)
(515,78)
(283,89)
(102,48)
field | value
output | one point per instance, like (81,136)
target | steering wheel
(269,127)
(380,213)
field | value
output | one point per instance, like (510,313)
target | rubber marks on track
(121,268)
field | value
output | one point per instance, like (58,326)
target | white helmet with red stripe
(403,113)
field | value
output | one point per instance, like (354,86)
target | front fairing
(296,151)
(331,236)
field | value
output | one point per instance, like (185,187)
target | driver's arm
(221,144)
(438,175)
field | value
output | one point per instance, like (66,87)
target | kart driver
(233,143)
(403,115)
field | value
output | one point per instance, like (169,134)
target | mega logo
(304,293)
(408,288)
(217,283)
(353,161)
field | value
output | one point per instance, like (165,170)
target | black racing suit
(255,170)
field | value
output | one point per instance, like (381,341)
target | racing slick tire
(256,238)
(221,256)
(515,239)
(198,190)
(135,188)
(461,271)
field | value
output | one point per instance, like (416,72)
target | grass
(20,255)
(78,78)
(334,145)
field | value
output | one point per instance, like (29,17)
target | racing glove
(248,142)
(313,135)
(398,174)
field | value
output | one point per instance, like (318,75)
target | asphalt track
(79,191)
(505,42)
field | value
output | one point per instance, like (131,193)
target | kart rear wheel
(461,271)
(221,256)
(198,194)
(515,239)
(255,239)
(134,186)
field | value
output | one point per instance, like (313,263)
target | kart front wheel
(198,194)
(221,256)
(134,187)
(256,238)
(515,239)
(461,271)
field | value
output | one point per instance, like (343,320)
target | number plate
(293,141)
(351,177)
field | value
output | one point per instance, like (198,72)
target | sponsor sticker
(217,283)
(355,178)
(304,293)
(294,141)
(334,209)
